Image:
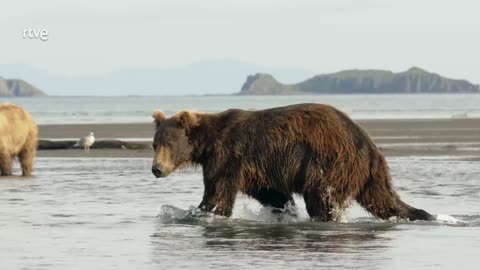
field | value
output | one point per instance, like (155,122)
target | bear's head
(170,143)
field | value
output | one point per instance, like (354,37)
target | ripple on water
(62,215)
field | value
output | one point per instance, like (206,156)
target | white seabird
(86,142)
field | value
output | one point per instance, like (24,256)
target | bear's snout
(159,171)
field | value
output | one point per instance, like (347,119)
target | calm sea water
(80,213)
(58,110)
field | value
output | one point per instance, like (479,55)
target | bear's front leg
(220,206)
(219,196)
(221,189)
(207,203)
(208,200)
(225,194)
(224,208)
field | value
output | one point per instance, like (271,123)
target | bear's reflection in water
(238,242)
(328,237)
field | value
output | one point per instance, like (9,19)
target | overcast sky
(87,37)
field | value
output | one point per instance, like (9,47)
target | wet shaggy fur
(309,149)
(18,138)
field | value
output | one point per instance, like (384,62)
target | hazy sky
(323,36)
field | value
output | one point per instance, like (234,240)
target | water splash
(449,220)
(266,215)
(171,214)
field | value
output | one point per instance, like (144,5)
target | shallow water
(111,213)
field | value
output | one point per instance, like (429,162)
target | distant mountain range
(223,77)
(414,80)
(18,88)
(206,77)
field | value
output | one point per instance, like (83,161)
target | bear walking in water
(309,149)
(18,138)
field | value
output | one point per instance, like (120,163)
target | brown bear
(309,149)
(18,138)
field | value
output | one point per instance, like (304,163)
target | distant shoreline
(145,129)
(398,137)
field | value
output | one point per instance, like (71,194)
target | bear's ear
(158,117)
(187,119)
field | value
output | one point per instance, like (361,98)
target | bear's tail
(380,199)
(412,213)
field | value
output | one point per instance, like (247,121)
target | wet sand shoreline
(399,137)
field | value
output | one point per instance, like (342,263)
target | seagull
(86,142)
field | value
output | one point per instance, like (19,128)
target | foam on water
(247,213)
(449,220)
(171,214)
(266,215)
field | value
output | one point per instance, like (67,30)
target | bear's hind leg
(5,164)
(26,158)
(318,205)
(272,198)
(379,198)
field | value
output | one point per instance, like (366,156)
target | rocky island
(18,88)
(414,80)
